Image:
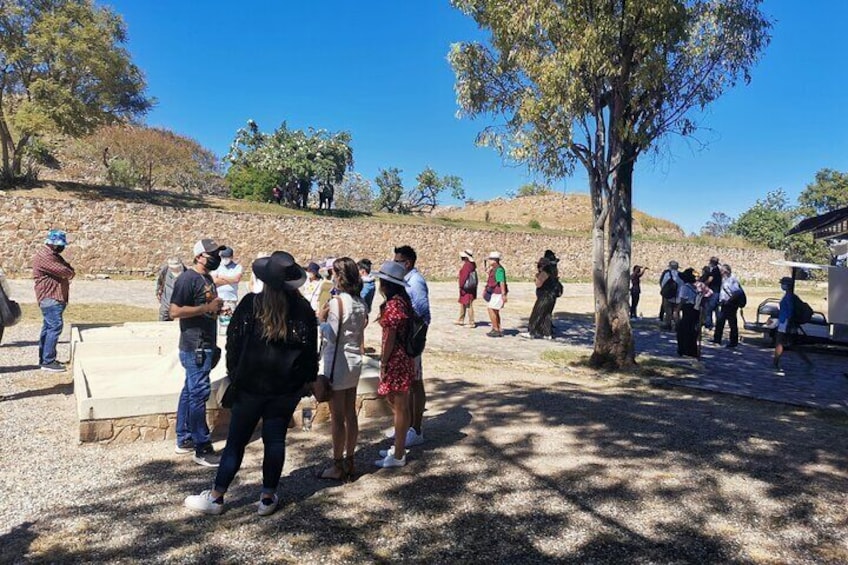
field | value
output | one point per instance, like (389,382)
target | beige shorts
(496,302)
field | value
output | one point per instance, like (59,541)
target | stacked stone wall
(114,237)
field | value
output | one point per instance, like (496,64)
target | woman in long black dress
(687,328)
(548,288)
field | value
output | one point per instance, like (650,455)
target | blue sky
(379,70)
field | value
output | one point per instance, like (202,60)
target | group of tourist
(273,356)
(689,303)
(297,323)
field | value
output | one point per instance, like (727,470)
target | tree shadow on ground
(65,389)
(517,472)
(18,369)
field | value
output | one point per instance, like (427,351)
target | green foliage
(293,155)
(121,172)
(391,188)
(534,224)
(64,70)
(766,222)
(422,198)
(533,189)
(355,193)
(829,192)
(250,183)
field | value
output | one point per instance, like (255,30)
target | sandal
(458,323)
(334,472)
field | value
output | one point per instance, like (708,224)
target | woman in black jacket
(271,354)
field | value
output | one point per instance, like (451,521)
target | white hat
(467,254)
(392,272)
(495,255)
(207,246)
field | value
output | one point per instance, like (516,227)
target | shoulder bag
(322,388)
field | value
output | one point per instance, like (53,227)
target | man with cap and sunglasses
(195,303)
(52,276)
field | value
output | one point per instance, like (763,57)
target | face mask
(213,262)
(226,261)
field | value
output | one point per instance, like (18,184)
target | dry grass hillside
(560,212)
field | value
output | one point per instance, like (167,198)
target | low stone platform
(127,381)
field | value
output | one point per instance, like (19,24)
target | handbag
(228,388)
(10,311)
(322,387)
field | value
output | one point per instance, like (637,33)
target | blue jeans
(51,329)
(276,413)
(711,305)
(191,410)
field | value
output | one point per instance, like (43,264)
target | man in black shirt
(714,283)
(195,304)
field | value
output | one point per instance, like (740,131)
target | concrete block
(375,408)
(127,434)
(152,434)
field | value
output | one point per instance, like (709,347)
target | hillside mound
(561,212)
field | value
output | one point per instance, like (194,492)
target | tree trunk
(6,142)
(614,346)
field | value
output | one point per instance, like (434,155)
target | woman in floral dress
(397,369)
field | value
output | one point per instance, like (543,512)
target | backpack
(739,298)
(801,311)
(669,289)
(10,311)
(470,282)
(416,336)
(558,288)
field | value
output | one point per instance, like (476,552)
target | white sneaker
(413,438)
(264,509)
(390,433)
(391,451)
(525,335)
(390,461)
(204,503)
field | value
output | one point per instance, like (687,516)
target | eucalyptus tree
(63,68)
(597,83)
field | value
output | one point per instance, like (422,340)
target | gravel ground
(523,463)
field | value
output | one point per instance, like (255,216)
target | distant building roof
(830,225)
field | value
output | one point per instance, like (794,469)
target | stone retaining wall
(158,427)
(132,238)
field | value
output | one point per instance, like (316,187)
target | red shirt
(52,275)
(400,368)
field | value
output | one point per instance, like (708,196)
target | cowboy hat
(494,256)
(392,272)
(466,254)
(279,271)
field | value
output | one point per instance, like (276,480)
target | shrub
(534,224)
(250,184)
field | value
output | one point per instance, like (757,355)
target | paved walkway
(744,371)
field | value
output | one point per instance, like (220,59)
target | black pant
(634,302)
(727,314)
(275,412)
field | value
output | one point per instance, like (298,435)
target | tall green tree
(424,197)
(597,83)
(827,193)
(767,221)
(63,68)
(294,156)
(718,226)
(390,197)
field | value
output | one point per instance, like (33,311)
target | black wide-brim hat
(280,271)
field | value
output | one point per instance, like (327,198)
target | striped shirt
(52,275)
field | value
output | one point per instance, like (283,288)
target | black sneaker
(184,447)
(207,457)
(54,367)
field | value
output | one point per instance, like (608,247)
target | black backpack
(416,336)
(470,282)
(801,311)
(10,311)
(669,289)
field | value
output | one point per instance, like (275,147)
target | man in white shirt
(227,278)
